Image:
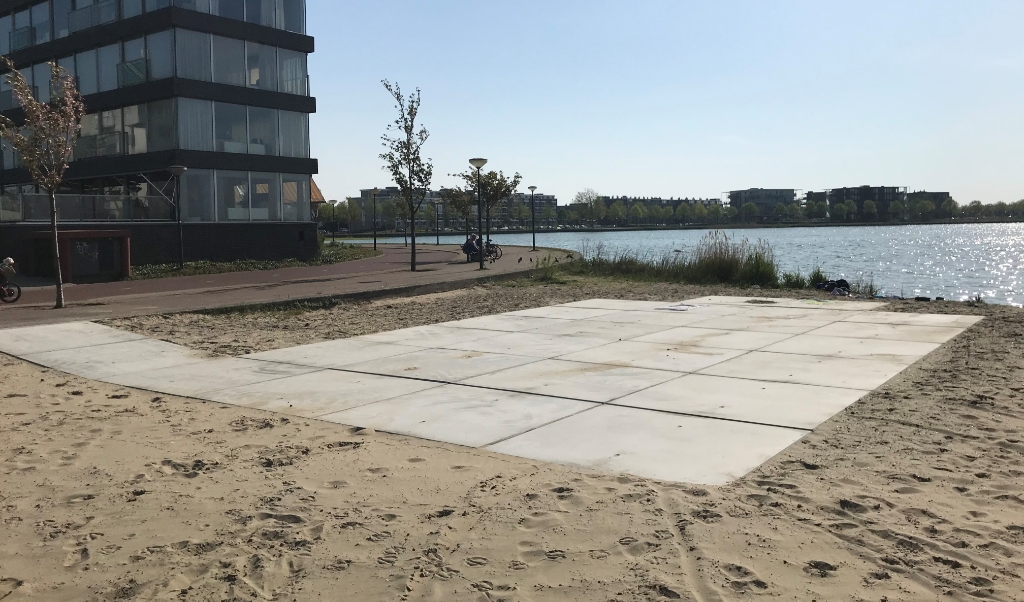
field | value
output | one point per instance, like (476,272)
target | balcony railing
(99,145)
(85,208)
(131,73)
(22,38)
(91,16)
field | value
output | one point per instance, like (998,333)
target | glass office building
(219,86)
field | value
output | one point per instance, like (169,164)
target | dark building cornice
(131,164)
(155,21)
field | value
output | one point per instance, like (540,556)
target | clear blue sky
(680,98)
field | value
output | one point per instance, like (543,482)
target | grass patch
(329,254)
(547,271)
(791,280)
(716,259)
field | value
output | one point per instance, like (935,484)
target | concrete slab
(102,361)
(844,373)
(460,415)
(195,380)
(888,317)
(780,325)
(609,331)
(653,445)
(708,337)
(318,393)
(778,404)
(435,335)
(562,313)
(891,332)
(656,356)
(575,380)
(618,304)
(333,354)
(54,337)
(905,352)
(443,365)
(505,323)
(532,344)
(803,303)
(665,319)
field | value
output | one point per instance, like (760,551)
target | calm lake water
(955,261)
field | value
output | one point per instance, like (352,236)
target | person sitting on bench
(471,248)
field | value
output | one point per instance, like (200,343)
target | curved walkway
(440,266)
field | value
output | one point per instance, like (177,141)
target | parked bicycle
(9,291)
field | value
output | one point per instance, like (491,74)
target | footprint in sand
(598,554)
(540,521)
(518,565)
(76,557)
(8,585)
(476,561)
(79,498)
(416,460)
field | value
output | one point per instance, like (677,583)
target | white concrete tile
(460,415)
(609,331)
(54,337)
(780,325)
(618,304)
(333,354)
(444,365)
(653,445)
(575,380)
(532,344)
(505,323)
(892,332)
(431,336)
(102,361)
(888,317)
(194,380)
(665,319)
(905,352)
(824,371)
(656,356)
(779,404)
(562,312)
(318,393)
(708,337)
(793,313)
(801,303)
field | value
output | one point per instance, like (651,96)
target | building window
(262,131)
(131,8)
(295,198)
(265,196)
(232,195)
(228,61)
(292,71)
(197,196)
(152,5)
(41,23)
(5,35)
(160,53)
(230,127)
(108,58)
(261,12)
(85,71)
(232,9)
(293,15)
(193,55)
(294,134)
(262,64)
(195,124)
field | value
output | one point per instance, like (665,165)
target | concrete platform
(700,391)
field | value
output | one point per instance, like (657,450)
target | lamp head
(478,163)
(374,191)
(532,188)
(177,170)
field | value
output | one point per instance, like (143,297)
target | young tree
(715,213)
(617,212)
(949,208)
(780,212)
(46,140)
(548,214)
(403,157)
(838,212)
(355,214)
(495,187)
(683,213)
(460,204)
(595,206)
(430,216)
(896,210)
(700,212)
(869,211)
(637,212)
(749,211)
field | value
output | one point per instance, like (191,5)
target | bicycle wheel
(11,293)
(497,252)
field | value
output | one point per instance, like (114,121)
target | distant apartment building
(937,198)
(672,202)
(881,196)
(510,212)
(765,199)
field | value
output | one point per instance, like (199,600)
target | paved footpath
(437,266)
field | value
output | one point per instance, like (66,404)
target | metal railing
(93,15)
(130,73)
(32,207)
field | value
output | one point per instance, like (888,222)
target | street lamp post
(437,227)
(533,216)
(373,201)
(176,171)
(478,164)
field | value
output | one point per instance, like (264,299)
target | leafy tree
(715,213)
(948,209)
(430,216)
(838,212)
(387,213)
(749,211)
(897,210)
(683,212)
(637,212)
(869,211)
(780,211)
(730,213)
(495,187)
(46,140)
(548,215)
(700,212)
(975,209)
(403,157)
(924,209)
(617,212)
(355,214)
(595,206)
(795,212)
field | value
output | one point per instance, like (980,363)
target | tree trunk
(59,304)
(412,255)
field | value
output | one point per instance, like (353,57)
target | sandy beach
(914,493)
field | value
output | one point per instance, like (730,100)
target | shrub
(793,280)
(817,277)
